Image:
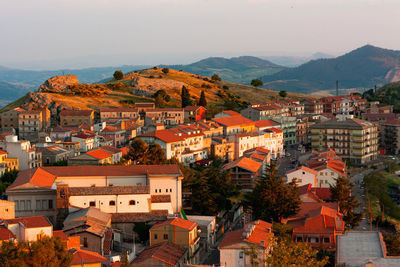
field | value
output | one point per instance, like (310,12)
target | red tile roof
(178,222)
(322,193)
(60,234)
(237,120)
(157,215)
(166,252)
(275,130)
(112,149)
(80,257)
(3,152)
(231,112)
(245,163)
(99,154)
(266,123)
(5,234)
(31,222)
(304,168)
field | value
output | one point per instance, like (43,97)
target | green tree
(256,82)
(215,77)
(185,97)
(165,70)
(342,192)
(118,75)
(142,154)
(47,251)
(7,179)
(273,199)
(155,155)
(161,98)
(202,100)
(142,229)
(288,253)
(282,93)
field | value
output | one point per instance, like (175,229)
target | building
(317,224)
(85,258)
(344,104)
(303,176)
(208,230)
(235,124)
(118,113)
(53,154)
(60,133)
(9,119)
(233,248)
(194,113)
(134,191)
(180,232)
(7,164)
(244,171)
(313,106)
(257,112)
(28,157)
(363,249)
(31,122)
(93,228)
(76,117)
(222,148)
(390,136)
(93,157)
(166,116)
(29,228)
(117,135)
(226,113)
(352,139)
(7,210)
(161,255)
(288,125)
(87,142)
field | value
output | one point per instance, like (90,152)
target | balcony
(194,247)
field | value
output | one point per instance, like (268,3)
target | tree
(165,70)
(256,82)
(185,97)
(288,253)
(7,179)
(282,93)
(161,98)
(142,229)
(47,251)
(272,199)
(202,100)
(215,77)
(341,192)
(142,154)
(118,75)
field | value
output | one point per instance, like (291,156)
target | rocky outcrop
(35,100)
(58,84)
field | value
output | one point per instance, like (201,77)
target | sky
(82,33)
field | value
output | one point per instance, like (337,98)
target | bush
(165,70)
(215,77)
(118,75)
(282,93)
(225,87)
(256,82)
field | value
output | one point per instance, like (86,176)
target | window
(38,205)
(156,190)
(299,239)
(22,204)
(28,205)
(132,202)
(92,204)
(170,190)
(17,205)
(85,242)
(44,204)
(241,254)
(50,204)
(155,236)
(326,240)
(112,203)
(165,236)
(166,190)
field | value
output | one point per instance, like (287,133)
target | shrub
(215,77)
(118,75)
(165,70)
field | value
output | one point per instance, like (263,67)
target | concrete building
(118,113)
(235,124)
(29,228)
(313,106)
(352,139)
(7,210)
(194,113)
(233,247)
(9,119)
(390,136)
(28,157)
(166,116)
(207,225)
(53,154)
(31,122)
(7,164)
(76,117)
(303,176)
(165,254)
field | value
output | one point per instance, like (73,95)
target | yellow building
(7,164)
(178,231)
(7,210)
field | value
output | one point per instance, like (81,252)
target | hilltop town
(160,167)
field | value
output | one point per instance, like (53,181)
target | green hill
(388,94)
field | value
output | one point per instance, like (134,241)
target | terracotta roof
(80,257)
(31,222)
(118,110)
(231,112)
(178,222)
(391,122)
(99,154)
(192,108)
(266,123)
(303,168)
(172,135)
(275,130)
(83,136)
(160,198)
(322,193)
(166,252)
(110,129)
(90,220)
(111,149)
(233,121)
(45,176)
(76,112)
(307,208)
(244,163)
(109,190)
(158,215)
(60,234)
(6,234)
(3,152)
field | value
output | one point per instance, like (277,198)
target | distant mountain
(361,68)
(15,83)
(294,61)
(237,69)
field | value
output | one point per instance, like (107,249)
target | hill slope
(388,94)
(360,68)
(237,69)
(139,87)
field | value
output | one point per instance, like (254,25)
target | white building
(303,175)
(29,229)
(28,156)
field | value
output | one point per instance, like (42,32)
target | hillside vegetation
(140,86)
(388,94)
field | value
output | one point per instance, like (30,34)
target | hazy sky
(114,32)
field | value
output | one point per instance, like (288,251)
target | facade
(207,225)
(194,113)
(7,164)
(53,154)
(76,117)
(93,157)
(29,228)
(352,139)
(31,122)
(28,157)
(233,247)
(161,255)
(178,231)
(390,136)
(235,124)
(118,113)
(303,176)
(313,106)
(244,171)
(222,148)
(288,125)
(87,141)
(9,119)
(166,116)
(117,135)
(60,134)
(7,210)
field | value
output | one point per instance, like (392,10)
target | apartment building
(194,113)
(235,124)
(390,136)
(31,122)
(7,164)
(27,155)
(76,117)
(352,139)
(344,104)
(118,113)
(289,127)
(53,154)
(9,119)
(313,106)
(166,116)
